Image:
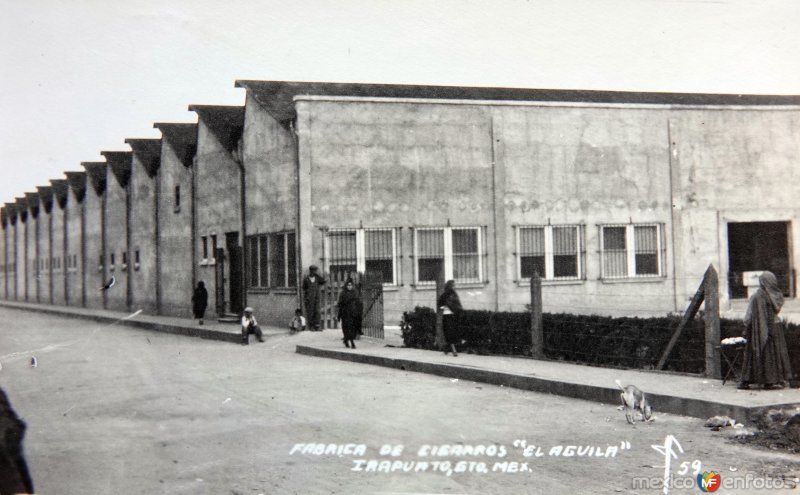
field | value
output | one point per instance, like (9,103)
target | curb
(683,406)
(145,325)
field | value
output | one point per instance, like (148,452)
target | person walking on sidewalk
(766,356)
(311,296)
(200,301)
(450,304)
(350,312)
(250,325)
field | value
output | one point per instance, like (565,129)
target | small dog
(634,400)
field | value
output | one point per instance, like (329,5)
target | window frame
(550,254)
(447,232)
(361,253)
(254,261)
(177,199)
(630,251)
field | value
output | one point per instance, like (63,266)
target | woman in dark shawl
(450,304)
(766,357)
(200,301)
(350,309)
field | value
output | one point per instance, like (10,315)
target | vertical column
(712,325)
(305,226)
(537,330)
(498,204)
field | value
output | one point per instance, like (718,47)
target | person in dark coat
(350,313)
(200,301)
(450,304)
(766,356)
(14,474)
(311,297)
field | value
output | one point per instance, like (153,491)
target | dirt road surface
(114,410)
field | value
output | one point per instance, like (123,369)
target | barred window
(271,260)
(372,250)
(555,252)
(466,255)
(277,262)
(429,252)
(252,261)
(379,253)
(342,248)
(456,252)
(632,250)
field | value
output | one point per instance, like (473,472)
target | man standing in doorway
(311,295)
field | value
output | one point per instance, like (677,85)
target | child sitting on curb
(298,323)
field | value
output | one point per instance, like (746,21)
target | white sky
(79,77)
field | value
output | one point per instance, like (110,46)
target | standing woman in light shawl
(766,357)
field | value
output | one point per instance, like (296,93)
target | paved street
(112,409)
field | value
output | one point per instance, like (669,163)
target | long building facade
(618,201)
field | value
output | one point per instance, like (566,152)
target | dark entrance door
(234,271)
(756,246)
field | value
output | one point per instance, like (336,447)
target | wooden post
(537,331)
(439,342)
(691,311)
(713,368)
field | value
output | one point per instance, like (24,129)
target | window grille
(277,261)
(362,250)
(456,252)
(263,261)
(466,255)
(271,260)
(646,250)
(555,252)
(633,250)
(430,254)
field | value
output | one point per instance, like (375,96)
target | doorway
(234,271)
(757,246)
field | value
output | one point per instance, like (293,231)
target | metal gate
(372,299)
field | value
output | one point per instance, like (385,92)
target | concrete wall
(19,260)
(59,262)
(45,248)
(36,278)
(271,190)
(407,163)
(397,165)
(4,262)
(217,203)
(143,239)
(95,274)
(116,233)
(73,214)
(587,166)
(731,165)
(175,235)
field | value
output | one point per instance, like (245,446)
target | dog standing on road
(634,400)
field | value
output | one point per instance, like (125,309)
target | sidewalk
(211,329)
(667,392)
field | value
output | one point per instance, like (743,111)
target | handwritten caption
(450,459)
